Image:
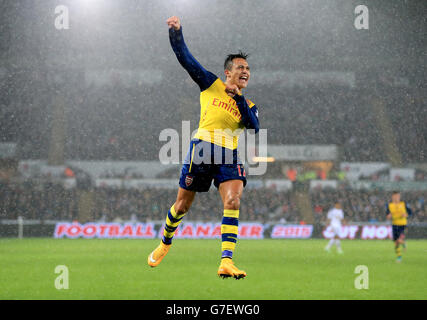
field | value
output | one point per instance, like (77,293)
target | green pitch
(277,269)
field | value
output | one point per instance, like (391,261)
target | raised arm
(196,71)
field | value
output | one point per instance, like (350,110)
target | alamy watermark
(361,22)
(362,280)
(218,150)
(62,18)
(62,281)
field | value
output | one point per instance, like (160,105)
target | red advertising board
(192,230)
(147,230)
(291,231)
(104,230)
(213,231)
(365,232)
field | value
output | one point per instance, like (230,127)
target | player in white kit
(335,217)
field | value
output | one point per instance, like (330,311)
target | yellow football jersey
(398,213)
(220,119)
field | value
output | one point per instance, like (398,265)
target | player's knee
(181,206)
(232,202)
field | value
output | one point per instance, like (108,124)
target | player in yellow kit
(398,212)
(212,155)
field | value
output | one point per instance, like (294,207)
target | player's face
(395,197)
(239,73)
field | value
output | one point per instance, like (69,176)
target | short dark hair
(395,192)
(229,60)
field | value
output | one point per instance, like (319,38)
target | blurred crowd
(51,201)
(363,205)
(31,201)
(118,122)
(260,205)
(345,117)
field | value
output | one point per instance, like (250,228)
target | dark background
(121,120)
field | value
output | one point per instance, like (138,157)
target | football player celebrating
(212,155)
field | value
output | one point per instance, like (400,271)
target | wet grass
(277,269)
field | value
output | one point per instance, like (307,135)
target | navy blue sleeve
(249,115)
(199,74)
(387,210)
(408,210)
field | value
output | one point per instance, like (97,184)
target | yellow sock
(172,221)
(229,232)
(398,253)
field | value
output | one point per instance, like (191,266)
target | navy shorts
(206,162)
(397,231)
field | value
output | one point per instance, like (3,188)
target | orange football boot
(228,269)
(158,254)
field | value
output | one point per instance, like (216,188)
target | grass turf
(277,269)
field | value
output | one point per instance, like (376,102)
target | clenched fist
(232,90)
(173,22)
